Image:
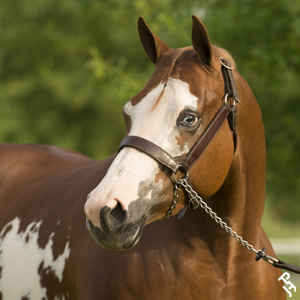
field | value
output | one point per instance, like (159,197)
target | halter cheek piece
(186,162)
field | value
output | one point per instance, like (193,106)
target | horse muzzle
(119,229)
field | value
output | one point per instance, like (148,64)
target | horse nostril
(87,223)
(117,217)
(113,218)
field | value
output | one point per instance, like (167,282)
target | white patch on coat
(156,123)
(20,259)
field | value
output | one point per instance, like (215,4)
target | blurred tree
(67,68)
(264,37)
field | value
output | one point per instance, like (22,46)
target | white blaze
(158,125)
(155,122)
(20,258)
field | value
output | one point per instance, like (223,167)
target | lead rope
(195,201)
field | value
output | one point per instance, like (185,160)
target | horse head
(174,109)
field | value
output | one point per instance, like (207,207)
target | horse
(46,251)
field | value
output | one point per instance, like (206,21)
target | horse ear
(201,42)
(153,45)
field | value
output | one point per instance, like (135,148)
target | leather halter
(186,162)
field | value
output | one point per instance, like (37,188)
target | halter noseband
(186,162)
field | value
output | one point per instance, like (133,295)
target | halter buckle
(232,97)
(262,254)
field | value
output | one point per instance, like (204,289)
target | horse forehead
(163,99)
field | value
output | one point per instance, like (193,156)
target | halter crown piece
(184,163)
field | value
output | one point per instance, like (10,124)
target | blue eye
(190,120)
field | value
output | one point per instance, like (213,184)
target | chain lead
(175,199)
(193,195)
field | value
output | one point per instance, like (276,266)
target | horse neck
(244,188)
(240,200)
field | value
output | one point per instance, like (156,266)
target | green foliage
(264,37)
(68,67)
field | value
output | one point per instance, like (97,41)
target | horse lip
(121,239)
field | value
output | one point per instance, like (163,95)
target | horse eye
(190,120)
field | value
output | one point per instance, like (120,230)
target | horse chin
(121,239)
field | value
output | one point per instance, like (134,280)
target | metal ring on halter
(176,181)
(226,99)
(223,64)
